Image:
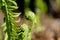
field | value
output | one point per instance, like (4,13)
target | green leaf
(13,7)
(6,36)
(16,14)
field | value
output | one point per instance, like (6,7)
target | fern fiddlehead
(31,16)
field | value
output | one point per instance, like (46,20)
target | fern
(31,17)
(11,32)
(7,6)
(22,32)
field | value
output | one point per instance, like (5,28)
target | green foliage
(0,35)
(29,15)
(58,3)
(41,5)
(7,6)
(11,32)
(10,26)
(22,32)
(26,3)
(38,23)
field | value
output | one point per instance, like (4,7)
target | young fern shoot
(22,32)
(31,16)
(7,6)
